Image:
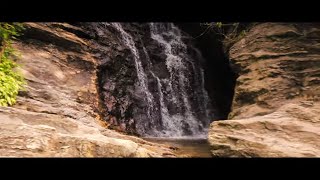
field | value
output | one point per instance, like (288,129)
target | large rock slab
(291,131)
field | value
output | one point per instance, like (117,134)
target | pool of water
(185,147)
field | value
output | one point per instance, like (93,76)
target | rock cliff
(275,109)
(58,115)
(84,79)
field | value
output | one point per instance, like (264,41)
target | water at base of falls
(185,147)
(180,107)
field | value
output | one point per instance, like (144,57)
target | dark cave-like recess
(219,78)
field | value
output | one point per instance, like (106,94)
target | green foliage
(9,31)
(219,24)
(11,81)
(229,33)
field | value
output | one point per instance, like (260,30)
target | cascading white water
(174,90)
(204,97)
(177,68)
(142,78)
(169,122)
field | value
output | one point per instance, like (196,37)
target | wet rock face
(116,76)
(275,110)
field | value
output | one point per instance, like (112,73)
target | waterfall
(142,78)
(184,105)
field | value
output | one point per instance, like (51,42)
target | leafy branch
(228,32)
(11,81)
